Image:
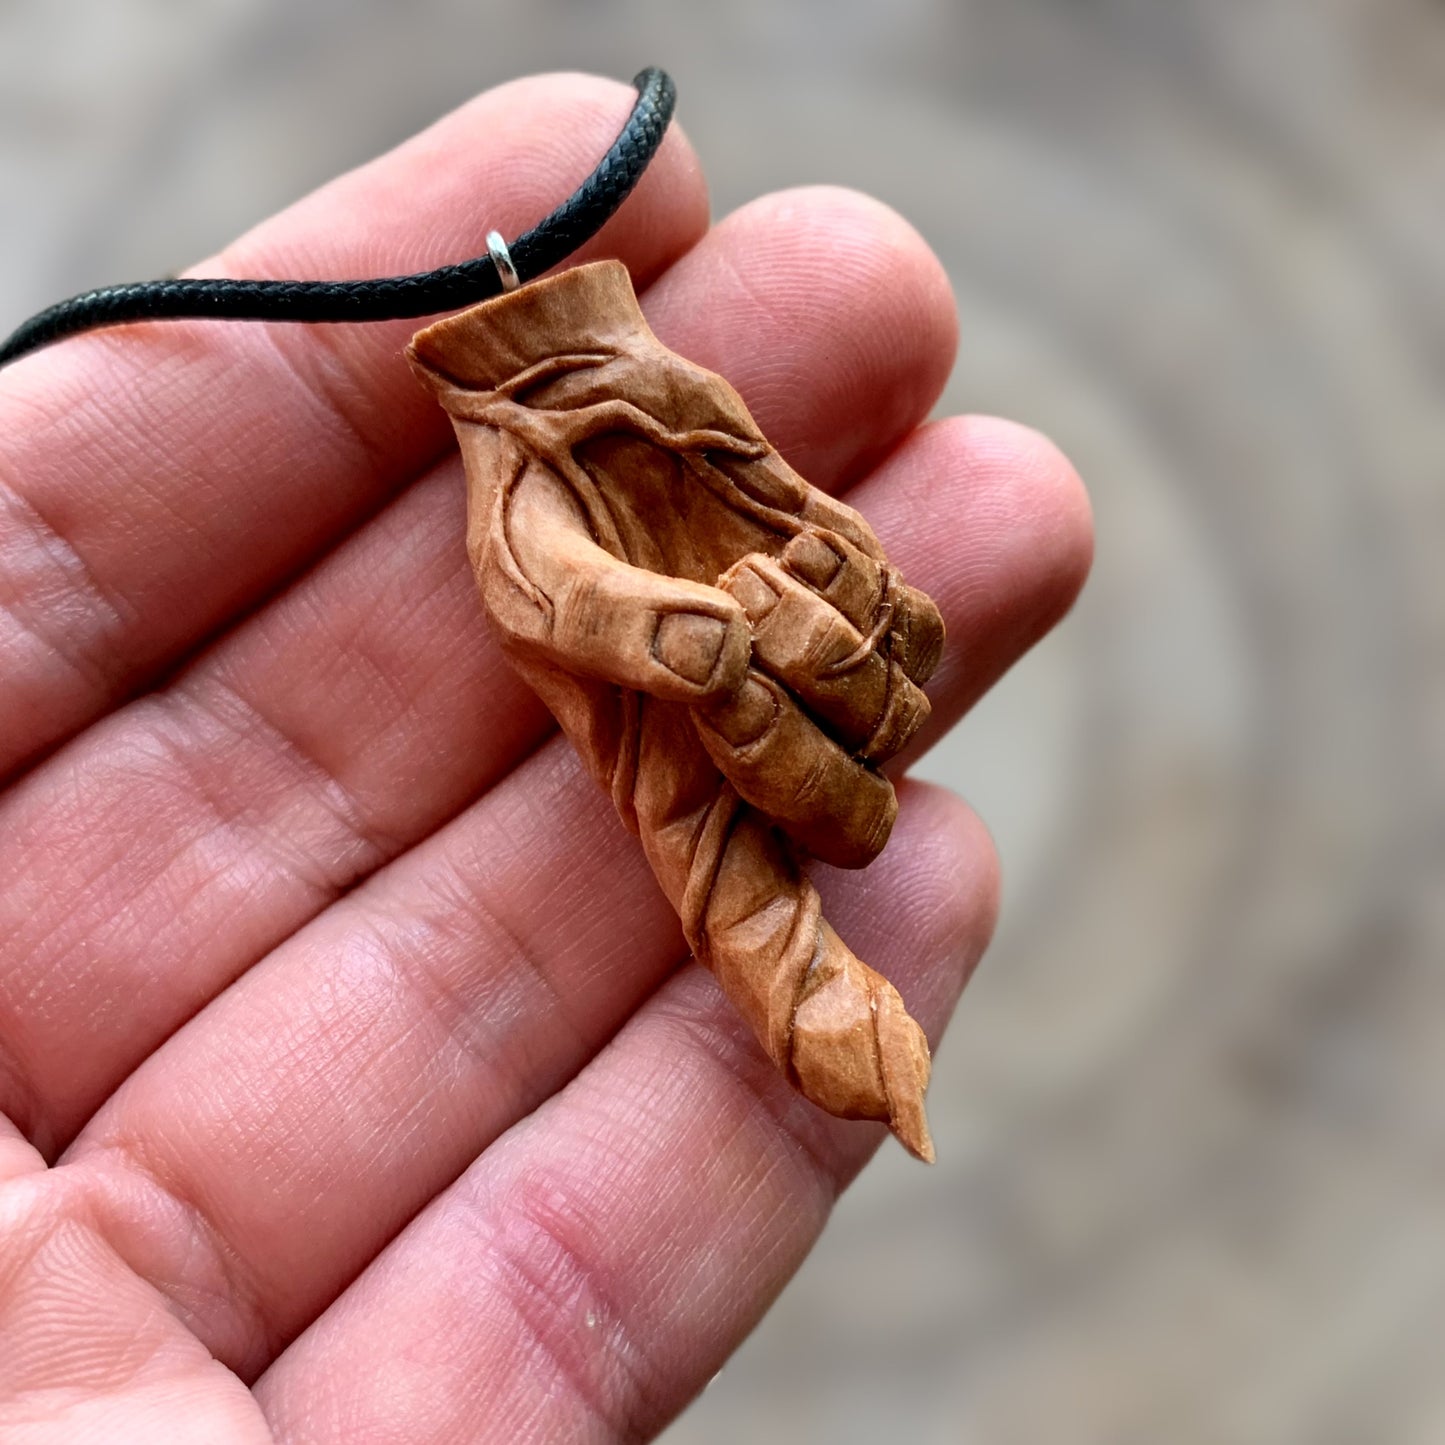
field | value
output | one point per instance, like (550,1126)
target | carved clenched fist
(725,645)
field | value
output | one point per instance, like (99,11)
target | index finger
(157,480)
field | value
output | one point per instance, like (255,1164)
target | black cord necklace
(388,298)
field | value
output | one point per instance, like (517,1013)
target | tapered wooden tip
(903,1055)
(855,1050)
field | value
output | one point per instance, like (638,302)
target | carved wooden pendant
(726,646)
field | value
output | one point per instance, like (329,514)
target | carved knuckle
(747,717)
(827,642)
(749,584)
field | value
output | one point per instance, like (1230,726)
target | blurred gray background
(1192,1185)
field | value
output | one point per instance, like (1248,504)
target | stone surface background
(1193,1177)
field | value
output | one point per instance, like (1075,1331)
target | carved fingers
(860,586)
(839,672)
(673,639)
(784,765)
(839,647)
(555,592)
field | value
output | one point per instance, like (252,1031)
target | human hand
(350,1021)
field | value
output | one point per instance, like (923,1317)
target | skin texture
(353,1087)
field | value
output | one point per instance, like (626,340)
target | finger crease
(559,1298)
(19,1097)
(48,614)
(372,846)
(230,1289)
(459,1006)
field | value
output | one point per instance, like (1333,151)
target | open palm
(354,1088)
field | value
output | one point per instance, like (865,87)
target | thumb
(671,638)
(594,614)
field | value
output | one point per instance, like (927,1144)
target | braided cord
(388,298)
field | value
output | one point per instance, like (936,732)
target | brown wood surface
(726,646)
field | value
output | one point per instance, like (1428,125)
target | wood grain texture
(726,646)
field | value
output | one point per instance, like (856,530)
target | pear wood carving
(726,646)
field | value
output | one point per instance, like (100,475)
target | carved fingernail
(752,589)
(743,719)
(809,557)
(918,642)
(689,644)
(906,710)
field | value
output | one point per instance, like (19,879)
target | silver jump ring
(502,260)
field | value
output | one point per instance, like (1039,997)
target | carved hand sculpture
(725,645)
